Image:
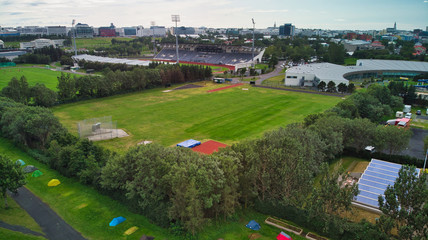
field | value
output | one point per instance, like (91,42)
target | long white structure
(91,58)
(312,74)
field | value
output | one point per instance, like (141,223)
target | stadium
(232,57)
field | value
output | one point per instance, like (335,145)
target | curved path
(262,77)
(20,229)
(54,227)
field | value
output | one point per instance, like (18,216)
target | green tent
(37,173)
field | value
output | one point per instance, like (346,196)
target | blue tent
(189,143)
(20,162)
(253,225)
(116,221)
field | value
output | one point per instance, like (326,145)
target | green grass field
(92,43)
(15,215)
(33,75)
(350,61)
(168,118)
(12,235)
(89,212)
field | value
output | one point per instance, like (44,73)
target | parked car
(408,115)
(418,112)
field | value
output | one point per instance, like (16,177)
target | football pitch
(33,75)
(168,118)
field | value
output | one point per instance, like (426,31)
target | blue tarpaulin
(116,221)
(253,225)
(189,143)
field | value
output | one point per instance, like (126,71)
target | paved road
(263,77)
(416,144)
(54,227)
(21,229)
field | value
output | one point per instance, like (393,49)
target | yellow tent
(53,183)
(130,231)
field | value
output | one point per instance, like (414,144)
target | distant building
(57,30)
(130,32)
(392,30)
(5,32)
(287,30)
(33,30)
(354,45)
(40,43)
(184,30)
(158,31)
(84,31)
(107,31)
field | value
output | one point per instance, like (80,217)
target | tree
(322,85)
(11,177)
(331,86)
(351,88)
(43,96)
(406,204)
(17,90)
(342,87)
(392,138)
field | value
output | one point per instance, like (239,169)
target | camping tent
(253,225)
(20,162)
(116,221)
(37,173)
(53,183)
(29,169)
(189,143)
(283,236)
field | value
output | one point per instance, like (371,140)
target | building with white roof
(312,74)
(91,58)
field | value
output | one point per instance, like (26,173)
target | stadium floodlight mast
(176,19)
(254,27)
(154,41)
(74,36)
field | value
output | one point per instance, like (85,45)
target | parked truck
(407,108)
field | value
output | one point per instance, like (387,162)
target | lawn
(168,118)
(15,215)
(89,212)
(92,43)
(350,61)
(81,206)
(33,75)
(12,235)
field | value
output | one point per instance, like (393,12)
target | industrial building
(40,43)
(57,30)
(84,31)
(107,31)
(310,75)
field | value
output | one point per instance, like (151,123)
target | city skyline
(334,14)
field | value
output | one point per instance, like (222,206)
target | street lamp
(254,27)
(154,41)
(74,36)
(176,19)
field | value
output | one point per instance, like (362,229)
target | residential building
(57,30)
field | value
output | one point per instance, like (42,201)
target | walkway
(52,225)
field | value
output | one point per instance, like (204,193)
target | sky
(318,14)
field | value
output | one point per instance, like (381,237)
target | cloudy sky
(324,14)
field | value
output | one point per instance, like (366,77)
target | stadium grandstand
(233,57)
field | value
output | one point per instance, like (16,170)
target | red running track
(222,88)
(209,147)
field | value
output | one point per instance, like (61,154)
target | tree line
(44,55)
(74,88)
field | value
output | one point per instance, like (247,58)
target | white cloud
(269,11)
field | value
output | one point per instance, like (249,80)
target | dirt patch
(108,134)
(187,86)
(254,236)
(222,88)
(360,167)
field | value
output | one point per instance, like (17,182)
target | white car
(408,115)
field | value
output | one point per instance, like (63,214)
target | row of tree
(44,55)
(72,88)
(331,87)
